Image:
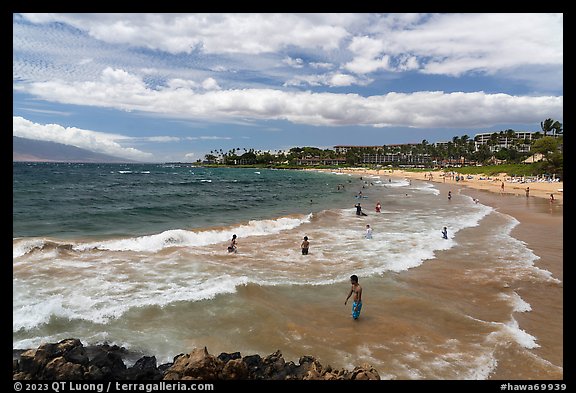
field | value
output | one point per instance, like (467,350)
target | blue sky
(173,87)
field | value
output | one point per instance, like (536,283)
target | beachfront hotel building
(520,141)
(409,154)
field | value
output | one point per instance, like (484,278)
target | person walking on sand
(305,245)
(232,246)
(357,299)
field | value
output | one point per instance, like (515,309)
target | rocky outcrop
(70,360)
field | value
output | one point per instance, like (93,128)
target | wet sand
(541,228)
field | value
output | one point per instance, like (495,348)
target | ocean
(135,255)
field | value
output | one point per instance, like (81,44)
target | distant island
(30,150)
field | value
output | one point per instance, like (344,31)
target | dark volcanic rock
(70,360)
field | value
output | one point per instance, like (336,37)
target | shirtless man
(357,299)
(305,245)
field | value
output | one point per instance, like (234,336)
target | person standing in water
(445,233)
(232,246)
(368,234)
(305,245)
(359,211)
(378,207)
(357,299)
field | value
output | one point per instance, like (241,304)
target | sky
(174,87)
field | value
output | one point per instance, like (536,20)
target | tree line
(459,149)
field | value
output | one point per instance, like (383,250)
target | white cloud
(366,65)
(209,33)
(86,139)
(161,139)
(120,90)
(294,63)
(453,44)
(210,84)
(332,79)
(338,79)
(207,138)
(320,65)
(363,44)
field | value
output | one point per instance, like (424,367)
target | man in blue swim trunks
(357,299)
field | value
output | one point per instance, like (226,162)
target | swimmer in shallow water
(232,246)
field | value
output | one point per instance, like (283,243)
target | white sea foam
(518,304)
(185,238)
(105,296)
(511,332)
(24,246)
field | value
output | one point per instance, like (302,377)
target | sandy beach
(514,186)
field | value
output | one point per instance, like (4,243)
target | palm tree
(547,125)
(557,126)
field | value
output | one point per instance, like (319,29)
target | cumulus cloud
(210,84)
(453,44)
(359,44)
(121,90)
(86,139)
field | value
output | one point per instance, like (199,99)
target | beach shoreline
(514,186)
(540,227)
(487,306)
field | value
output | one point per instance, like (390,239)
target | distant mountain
(33,150)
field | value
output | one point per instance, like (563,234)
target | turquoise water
(68,200)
